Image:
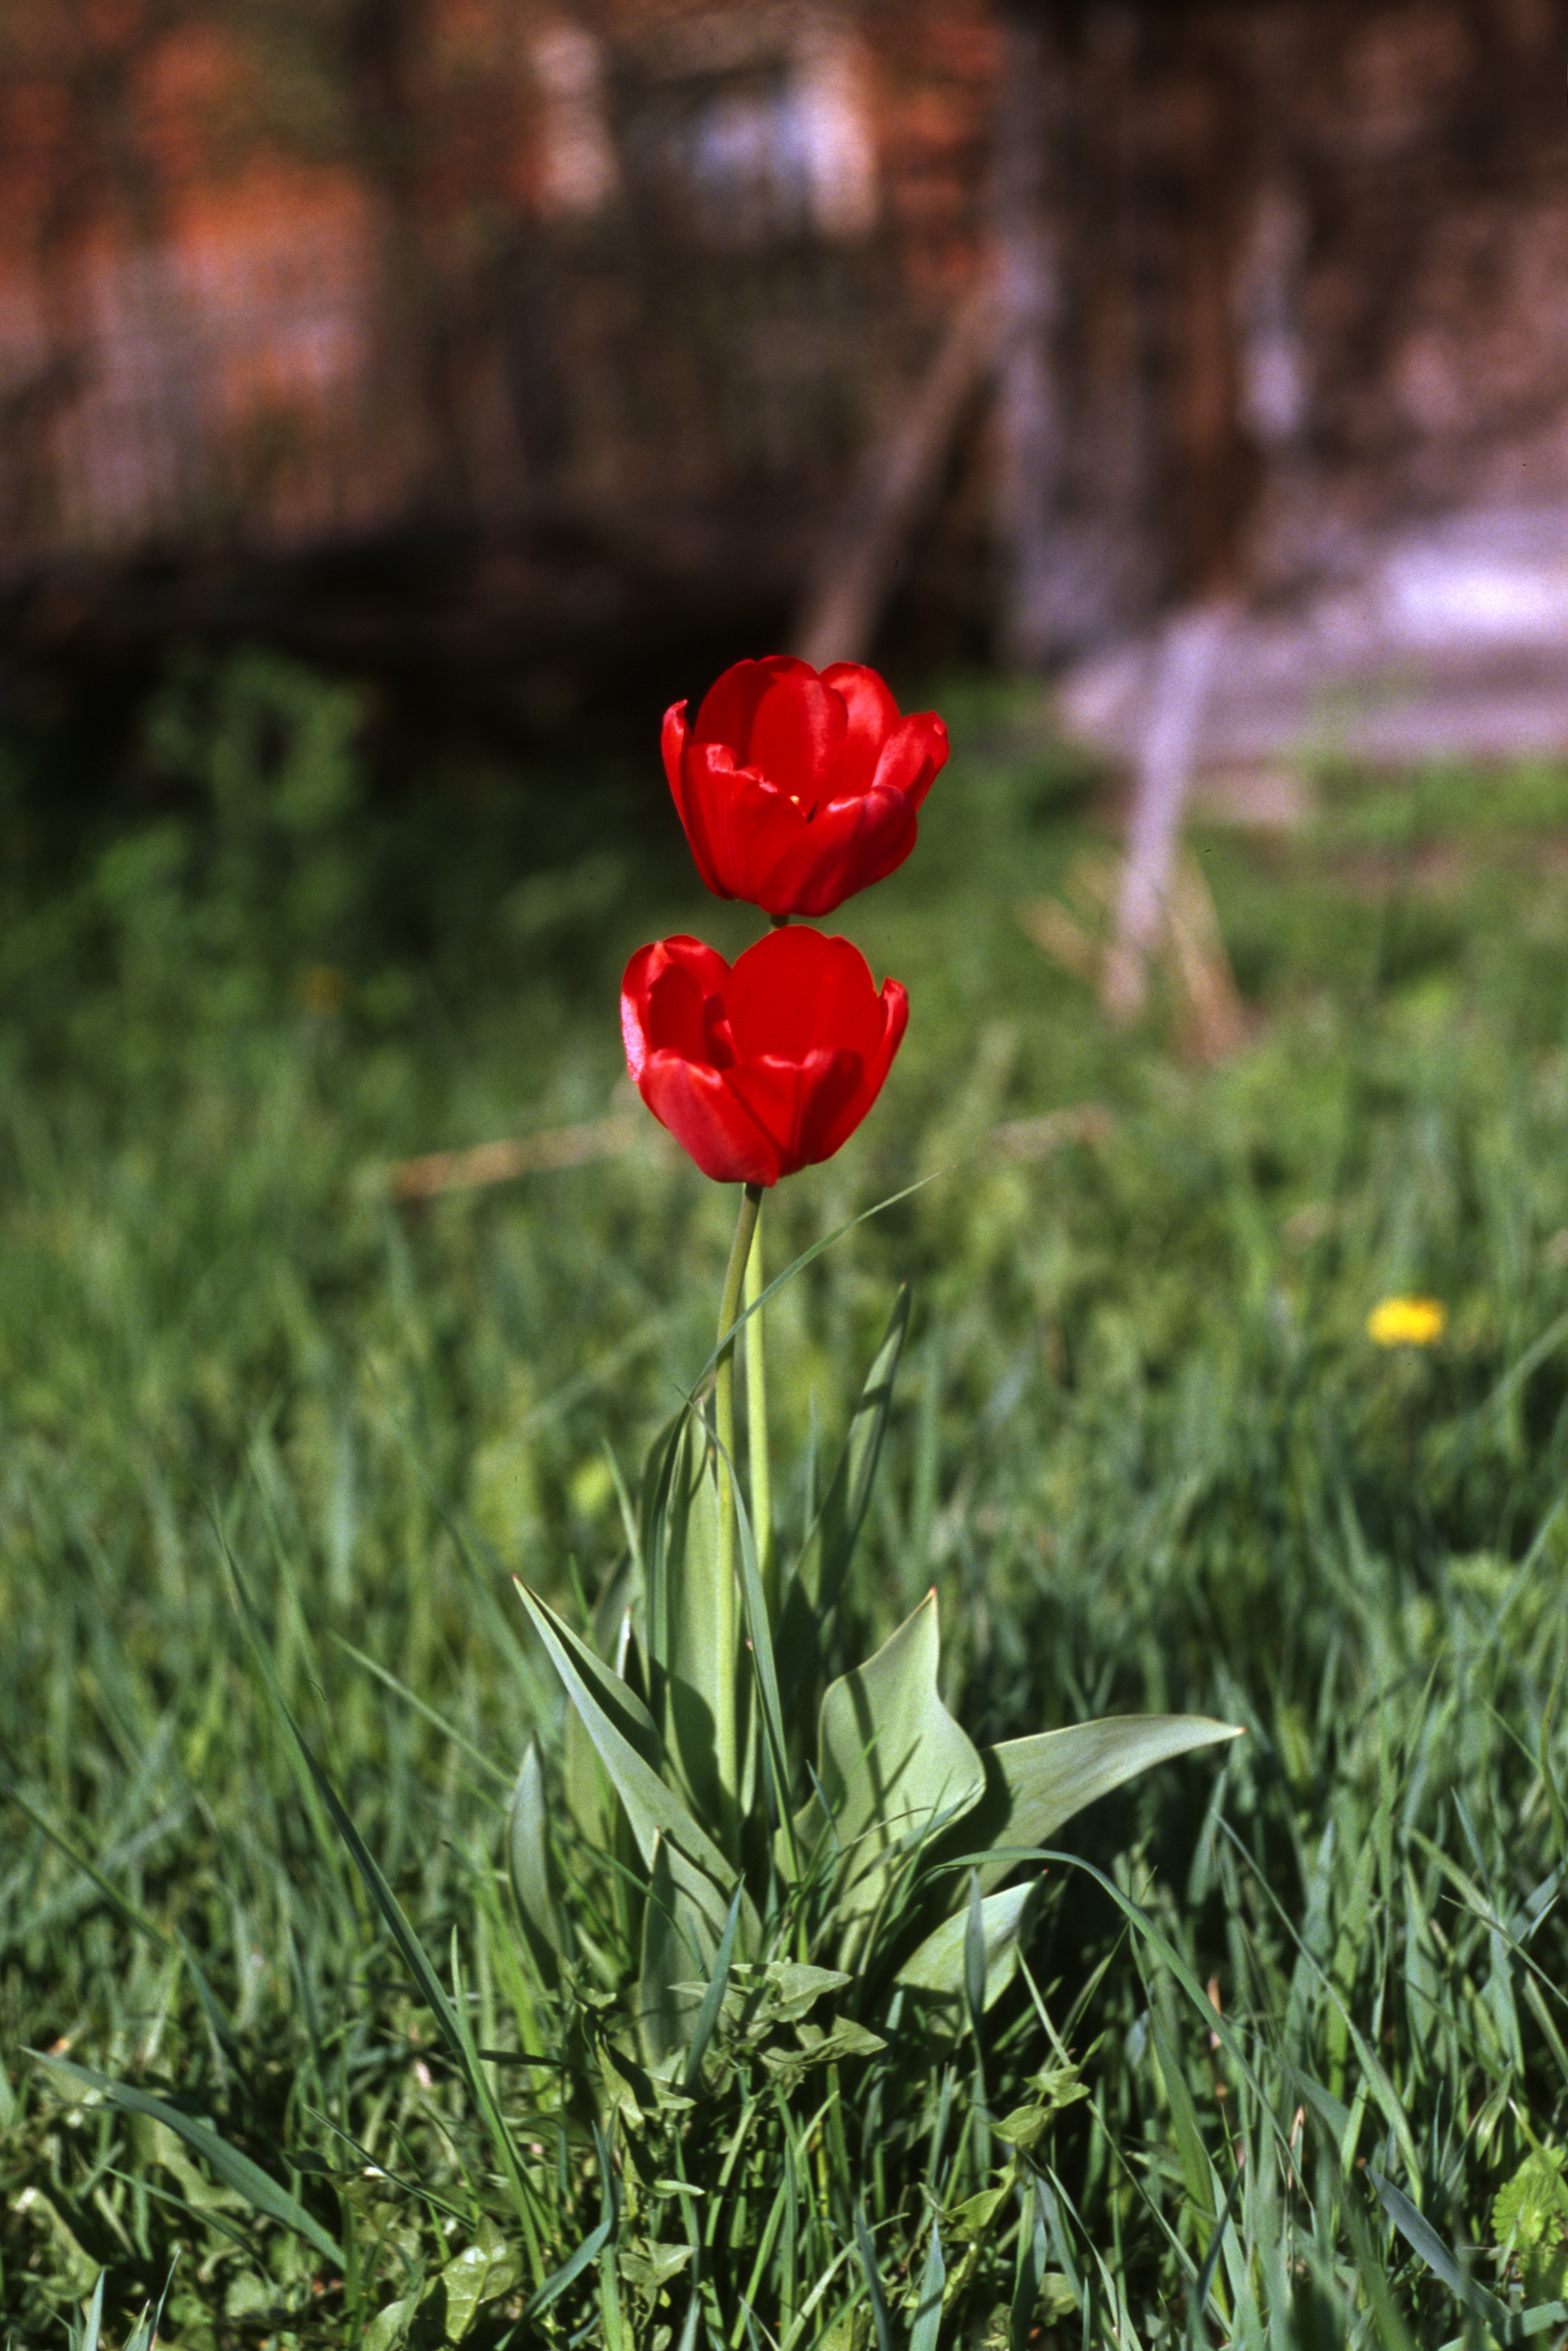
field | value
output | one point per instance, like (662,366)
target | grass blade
(928,2310)
(258,2188)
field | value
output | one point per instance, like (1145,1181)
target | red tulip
(761,1066)
(798,789)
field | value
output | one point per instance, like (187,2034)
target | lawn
(1287,2060)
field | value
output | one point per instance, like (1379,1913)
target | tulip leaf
(528,1864)
(769,1705)
(590,1796)
(812,1590)
(938,1966)
(590,1791)
(677,1945)
(892,1762)
(697,1685)
(624,1739)
(627,1743)
(652,1504)
(821,1567)
(1034,1784)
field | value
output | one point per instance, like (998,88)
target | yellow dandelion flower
(1406,1322)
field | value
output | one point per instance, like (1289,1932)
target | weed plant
(1288,2064)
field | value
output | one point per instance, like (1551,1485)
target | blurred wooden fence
(1262,273)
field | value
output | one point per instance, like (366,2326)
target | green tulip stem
(725,1618)
(762,1476)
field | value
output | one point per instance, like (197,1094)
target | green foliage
(744,1953)
(1139,1445)
(1530,2222)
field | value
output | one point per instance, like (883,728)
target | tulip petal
(796,737)
(764,1066)
(848,844)
(795,990)
(710,1121)
(693,804)
(913,756)
(872,714)
(673,737)
(797,790)
(728,710)
(836,1129)
(798,1102)
(665,999)
(746,827)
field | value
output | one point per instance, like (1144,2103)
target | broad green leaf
(69,2258)
(652,1513)
(790,1987)
(675,1948)
(259,2189)
(623,1734)
(823,1563)
(1056,2087)
(1530,2217)
(648,2267)
(529,1863)
(198,2191)
(938,1966)
(851,2330)
(685,1973)
(698,1682)
(390,2326)
(1034,1784)
(838,2044)
(969,2221)
(589,1793)
(844,2038)
(891,1762)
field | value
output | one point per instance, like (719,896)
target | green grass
(1143,1450)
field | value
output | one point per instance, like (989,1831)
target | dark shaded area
(462,638)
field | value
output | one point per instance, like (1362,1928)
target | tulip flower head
(798,789)
(764,1066)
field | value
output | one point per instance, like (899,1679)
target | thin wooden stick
(1193,644)
(437,1172)
(839,612)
